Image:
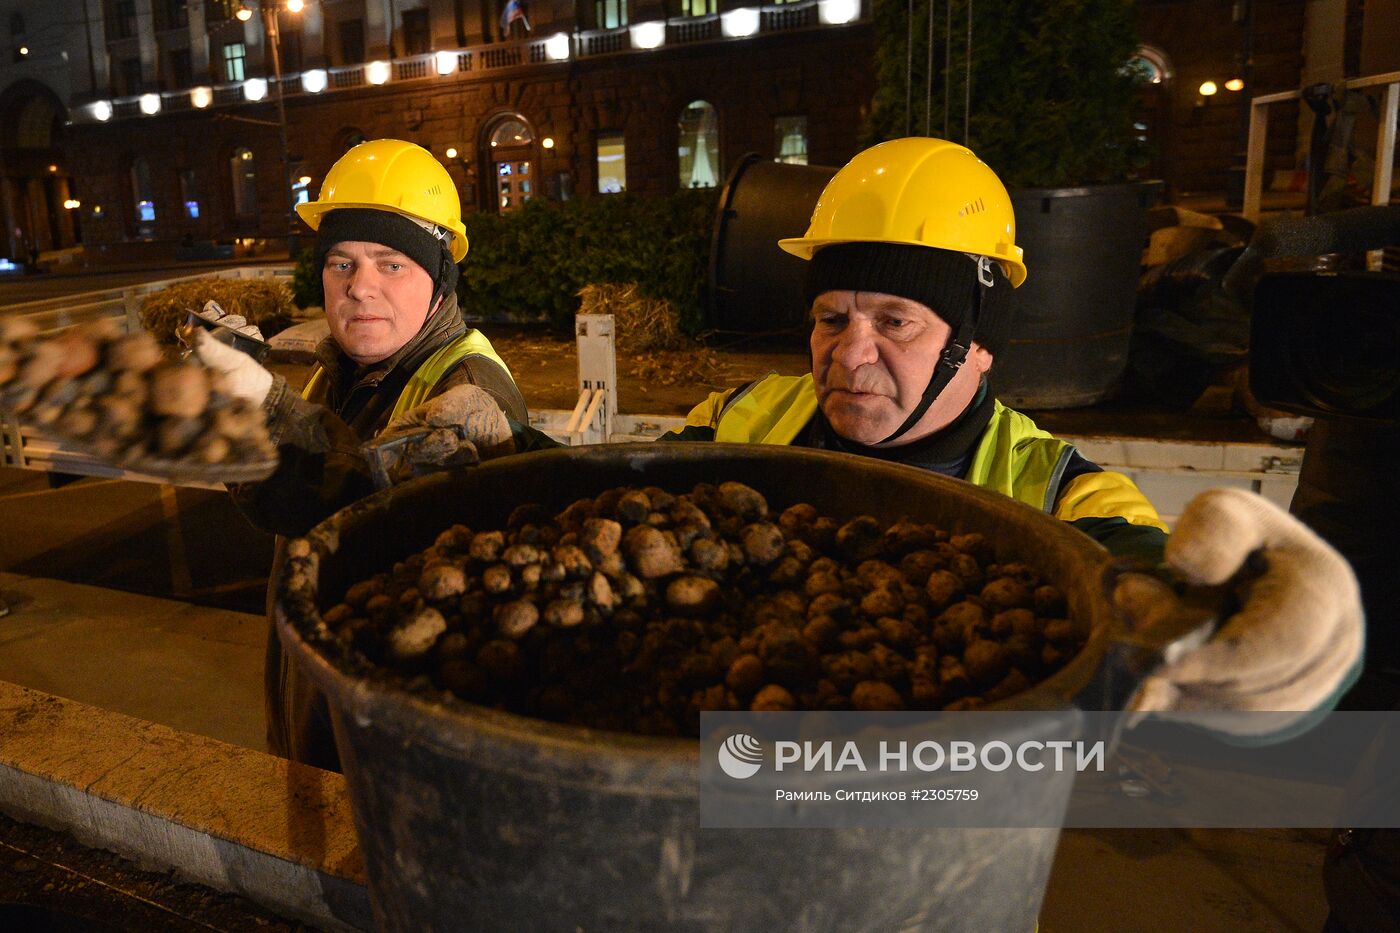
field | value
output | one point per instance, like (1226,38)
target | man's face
(872,357)
(376,299)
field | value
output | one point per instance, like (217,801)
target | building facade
(131,124)
(168,128)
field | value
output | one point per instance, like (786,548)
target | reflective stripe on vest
(771,411)
(1014,457)
(420,385)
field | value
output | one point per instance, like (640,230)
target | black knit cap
(941,279)
(395,231)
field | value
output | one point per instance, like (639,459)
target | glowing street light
(201,97)
(446,62)
(557,47)
(1234,84)
(255,89)
(838,12)
(72,204)
(1208,89)
(244,13)
(650,35)
(547,142)
(295,6)
(150,104)
(451,152)
(102,110)
(737,24)
(377,72)
(314,81)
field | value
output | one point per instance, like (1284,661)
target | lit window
(697,7)
(188,193)
(301,190)
(143,196)
(612,163)
(512,132)
(610,14)
(235,53)
(699,145)
(790,140)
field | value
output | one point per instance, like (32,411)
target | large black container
(474,819)
(1074,314)
(755,287)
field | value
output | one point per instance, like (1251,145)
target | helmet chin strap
(949,362)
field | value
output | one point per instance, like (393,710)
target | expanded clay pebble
(637,609)
(116,395)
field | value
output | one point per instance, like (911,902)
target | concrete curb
(237,820)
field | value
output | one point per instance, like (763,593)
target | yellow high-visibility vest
(1013,456)
(420,384)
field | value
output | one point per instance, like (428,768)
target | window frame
(598,137)
(778,139)
(228,61)
(604,10)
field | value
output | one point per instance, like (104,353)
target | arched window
(511,132)
(1152,64)
(510,154)
(143,197)
(245,183)
(699,145)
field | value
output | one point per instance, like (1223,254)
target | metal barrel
(1074,313)
(755,287)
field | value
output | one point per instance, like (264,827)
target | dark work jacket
(321,470)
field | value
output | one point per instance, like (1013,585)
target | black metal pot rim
(425,719)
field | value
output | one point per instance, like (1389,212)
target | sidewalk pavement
(192,668)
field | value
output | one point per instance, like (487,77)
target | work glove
(243,376)
(460,427)
(213,312)
(1298,632)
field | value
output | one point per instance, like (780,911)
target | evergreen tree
(1053,95)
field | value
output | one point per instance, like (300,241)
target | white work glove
(1298,633)
(213,312)
(460,427)
(243,376)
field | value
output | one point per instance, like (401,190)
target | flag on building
(514,10)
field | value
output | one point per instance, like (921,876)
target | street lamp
(270,9)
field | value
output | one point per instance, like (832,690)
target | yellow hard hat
(919,192)
(396,176)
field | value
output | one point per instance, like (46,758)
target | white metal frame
(1385,140)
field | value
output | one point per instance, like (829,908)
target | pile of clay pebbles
(635,610)
(117,396)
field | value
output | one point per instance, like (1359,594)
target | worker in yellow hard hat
(913,263)
(399,358)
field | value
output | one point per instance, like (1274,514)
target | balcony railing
(533,52)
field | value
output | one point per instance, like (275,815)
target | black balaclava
(972,297)
(367,225)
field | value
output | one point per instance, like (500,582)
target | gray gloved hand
(463,426)
(1298,633)
(243,376)
(213,312)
